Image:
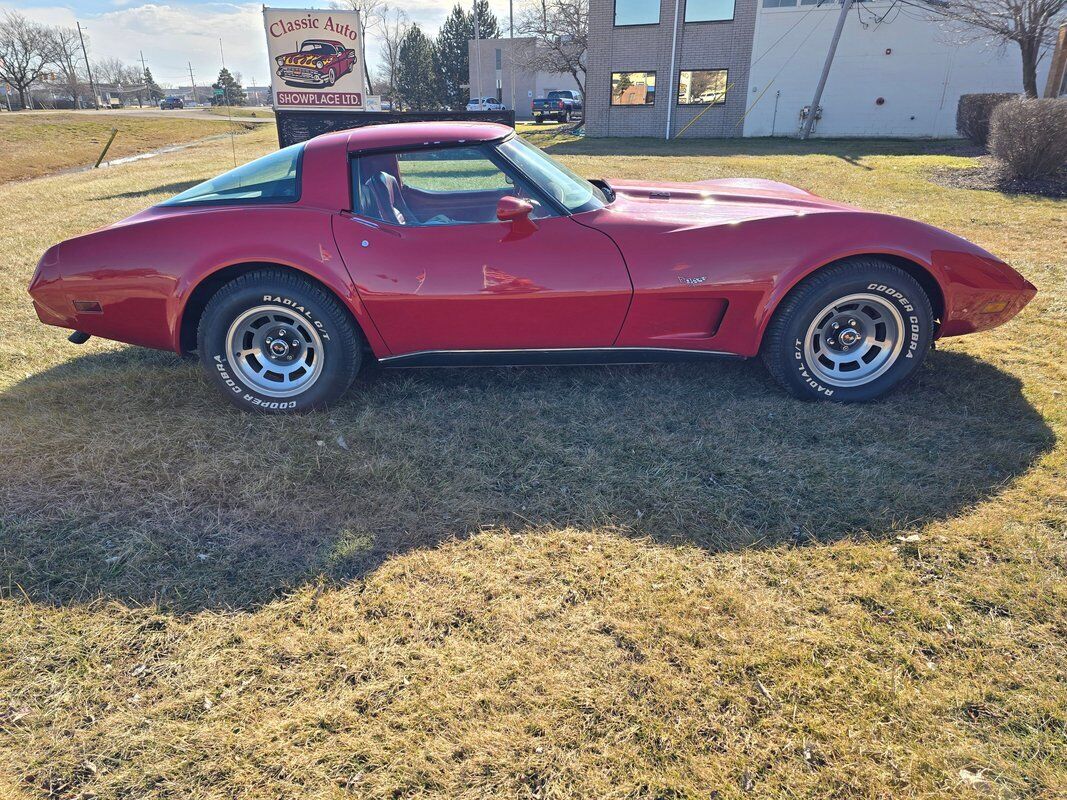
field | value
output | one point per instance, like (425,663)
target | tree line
(32,53)
(423,73)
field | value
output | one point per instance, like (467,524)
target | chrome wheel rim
(277,353)
(854,340)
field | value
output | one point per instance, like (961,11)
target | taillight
(559,104)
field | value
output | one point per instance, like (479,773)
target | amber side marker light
(995,307)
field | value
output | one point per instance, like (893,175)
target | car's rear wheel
(537,120)
(274,341)
(851,332)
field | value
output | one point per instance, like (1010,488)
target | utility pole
(814,108)
(192,80)
(670,78)
(89,72)
(511,51)
(478,54)
(144,76)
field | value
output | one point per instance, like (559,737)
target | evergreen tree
(416,80)
(233,94)
(155,94)
(453,53)
(487,24)
(453,59)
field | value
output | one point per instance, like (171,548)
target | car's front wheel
(850,332)
(274,341)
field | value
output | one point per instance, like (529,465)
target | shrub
(974,112)
(1030,136)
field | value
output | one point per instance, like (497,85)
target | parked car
(486,104)
(319,62)
(425,244)
(560,106)
(170,103)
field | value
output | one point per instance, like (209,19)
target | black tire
(318,318)
(798,344)
(537,120)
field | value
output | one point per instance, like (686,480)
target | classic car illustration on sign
(319,62)
(458,243)
(316,58)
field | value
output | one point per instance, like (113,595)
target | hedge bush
(1030,136)
(974,112)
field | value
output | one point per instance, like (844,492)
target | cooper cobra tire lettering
(311,305)
(293,304)
(784,349)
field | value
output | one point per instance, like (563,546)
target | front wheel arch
(920,272)
(207,287)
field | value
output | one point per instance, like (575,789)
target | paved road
(188,113)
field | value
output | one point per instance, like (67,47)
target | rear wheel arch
(209,285)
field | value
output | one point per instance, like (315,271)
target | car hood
(714,202)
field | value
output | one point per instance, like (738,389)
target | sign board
(373,102)
(299,126)
(315,58)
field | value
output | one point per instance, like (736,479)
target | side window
(274,178)
(447,186)
(455,169)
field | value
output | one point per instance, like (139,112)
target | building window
(709,10)
(636,12)
(779,3)
(701,87)
(633,88)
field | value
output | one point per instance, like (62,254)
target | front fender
(961,270)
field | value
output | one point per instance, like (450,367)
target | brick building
(750,67)
(631,87)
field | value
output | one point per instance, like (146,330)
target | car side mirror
(517,212)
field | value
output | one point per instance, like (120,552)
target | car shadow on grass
(130,479)
(846,149)
(167,189)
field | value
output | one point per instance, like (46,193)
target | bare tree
(560,29)
(68,55)
(1031,24)
(115,71)
(26,52)
(394,28)
(372,15)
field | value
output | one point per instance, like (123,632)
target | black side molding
(548,357)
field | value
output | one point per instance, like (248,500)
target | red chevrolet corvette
(453,243)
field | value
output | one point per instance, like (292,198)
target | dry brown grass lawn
(654,582)
(38,143)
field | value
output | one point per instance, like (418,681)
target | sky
(172,34)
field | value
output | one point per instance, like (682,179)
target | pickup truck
(561,106)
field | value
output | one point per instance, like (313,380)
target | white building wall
(908,61)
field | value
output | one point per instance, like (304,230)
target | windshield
(318,48)
(271,179)
(575,193)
